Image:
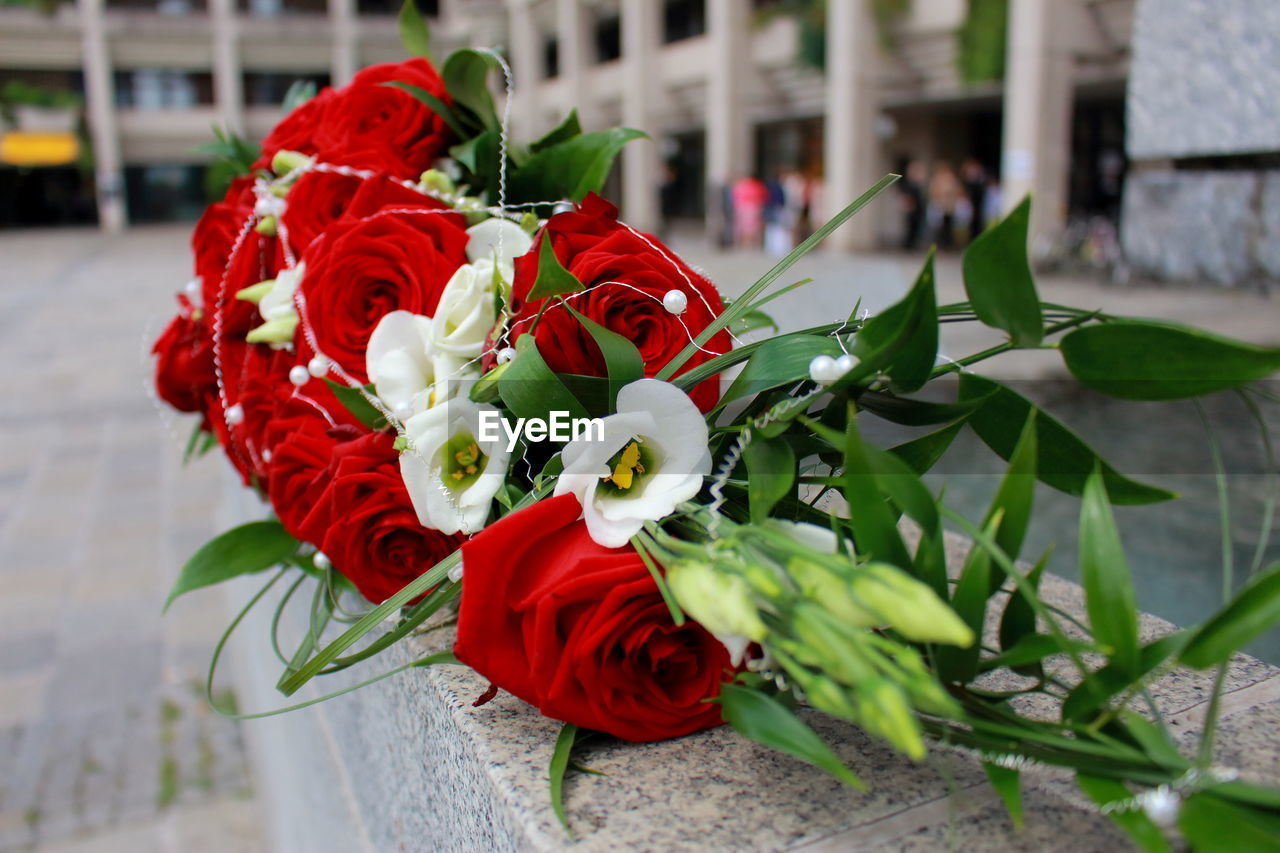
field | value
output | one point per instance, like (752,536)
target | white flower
(399,362)
(485,239)
(466,312)
(277,304)
(451,475)
(653,457)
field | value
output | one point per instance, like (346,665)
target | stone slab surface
(414,766)
(1203,78)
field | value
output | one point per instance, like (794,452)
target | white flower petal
(438,506)
(485,237)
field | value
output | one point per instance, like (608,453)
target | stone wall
(1202,86)
(1204,226)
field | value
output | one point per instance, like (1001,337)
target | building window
(177,8)
(550,58)
(163,89)
(428,8)
(164,193)
(683,19)
(278,8)
(608,33)
(268,88)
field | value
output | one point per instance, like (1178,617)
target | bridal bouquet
(471,394)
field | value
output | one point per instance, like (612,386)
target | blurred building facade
(154,77)
(842,91)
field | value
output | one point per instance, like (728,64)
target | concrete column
(641,160)
(524,47)
(100,98)
(228,80)
(851,150)
(1037,116)
(574,47)
(345,60)
(728,135)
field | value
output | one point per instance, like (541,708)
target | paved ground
(104,742)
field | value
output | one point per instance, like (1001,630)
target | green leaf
(572,168)
(552,279)
(779,361)
(752,320)
(357,405)
(563,132)
(1063,460)
(623,362)
(1013,499)
(1019,618)
(559,764)
(1031,649)
(771,474)
(767,721)
(530,389)
(1211,823)
(415,35)
(908,412)
(1154,740)
(1104,573)
(298,93)
(433,103)
(466,79)
(200,443)
(248,548)
(902,340)
(997,277)
(970,603)
(1006,782)
(1139,827)
(1100,686)
(874,526)
(1149,360)
(1253,610)
(923,453)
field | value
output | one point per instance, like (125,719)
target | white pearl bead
(823,369)
(845,363)
(318,366)
(192,288)
(322,562)
(506,354)
(675,301)
(1162,806)
(299,375)
(235,414)
(455,574)
(266,456)
(402,410)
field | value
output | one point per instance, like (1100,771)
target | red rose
(315,201)
(184,365)
(299,470)
(596,248)
(299,129)
(369,125)
(581,631)
(366,521)
(222,274)
(392,251)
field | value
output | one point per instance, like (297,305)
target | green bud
(266,226)
(254,292)
(279,189)
(196,314)
(819,583)
(285,162)
(909,606)
(529,222)
(719,600)
(883,710)
(435,181)
(833,647)
(279,331)
(485,390)
(401,444)
(475,217)
(826,695)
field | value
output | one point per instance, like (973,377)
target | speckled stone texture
(409,764)
(1204,77)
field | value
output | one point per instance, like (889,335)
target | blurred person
(974,177)
(749,196)
(777,229)
(992,201)
(911,196)
(795,189)
(945,193)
